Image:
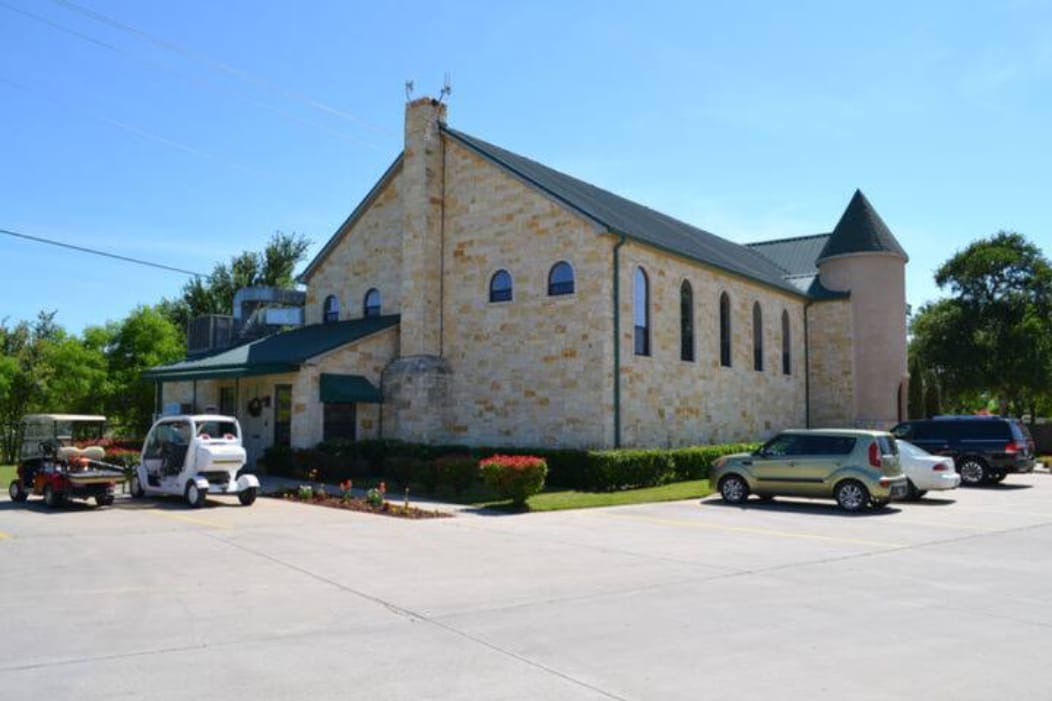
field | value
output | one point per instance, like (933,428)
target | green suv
(857,468)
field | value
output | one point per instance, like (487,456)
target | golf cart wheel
(734,489)
(16,491)
(247,496)
(851,496)
(135,487)
(194,496)
(104,500)
(51,497)
(973,471)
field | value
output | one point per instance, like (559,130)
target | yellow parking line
(191,519)
(3,535)
(759,531)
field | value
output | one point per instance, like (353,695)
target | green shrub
(277,460)
(693,463)
(456,471)
(403,470)
(514,477)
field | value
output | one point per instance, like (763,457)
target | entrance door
(283,415)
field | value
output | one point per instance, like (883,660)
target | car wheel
(851,495)
(247,496)
(51,498)
(998,477)
(921,493)
(16,492)
(972,470)
(734,489)
(767,498)
(194,496)
(135,487)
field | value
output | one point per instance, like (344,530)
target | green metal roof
(633,220)
(796,256)
(277,353)
(348,388)
(860,230)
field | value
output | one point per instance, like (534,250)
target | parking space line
(758,531)
(3,535)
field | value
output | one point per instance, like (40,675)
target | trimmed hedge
(514,477)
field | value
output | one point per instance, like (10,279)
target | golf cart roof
(196,418)
(39,418)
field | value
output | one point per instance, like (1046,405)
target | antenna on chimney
(447,87)
(408,90)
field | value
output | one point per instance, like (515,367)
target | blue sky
(184,133)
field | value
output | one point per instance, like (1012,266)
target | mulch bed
(388,508)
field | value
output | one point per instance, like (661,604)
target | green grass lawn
(7,473)
(559,499)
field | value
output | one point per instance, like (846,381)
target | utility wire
(105,254)
(156,64)
(217,65)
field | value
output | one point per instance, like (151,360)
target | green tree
(992,336)
(272,267)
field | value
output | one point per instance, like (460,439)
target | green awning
(348,388)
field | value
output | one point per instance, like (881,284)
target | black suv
(985,448)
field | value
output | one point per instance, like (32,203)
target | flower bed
(369,504)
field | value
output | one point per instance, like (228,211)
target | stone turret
(416,386)
(863,257)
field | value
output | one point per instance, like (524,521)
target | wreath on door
(255,406)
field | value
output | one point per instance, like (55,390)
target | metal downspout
(617,341)
(807,367)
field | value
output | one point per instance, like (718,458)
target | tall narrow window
(757,337)
(331,309)
(725,330)
(339,420)
(560,279)
(686,322)
(787,363)
(372,303)
(500,287)
(283,415)
(642,312)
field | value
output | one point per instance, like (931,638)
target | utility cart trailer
(53,467)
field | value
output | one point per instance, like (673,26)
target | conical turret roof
(860,230)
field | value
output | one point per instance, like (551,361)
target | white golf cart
(193,456)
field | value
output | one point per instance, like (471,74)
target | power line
(105,254)
(98,43)
(217,65)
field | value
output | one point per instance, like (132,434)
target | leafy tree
(993,335)
(23,375)
(915,397)
(272,267)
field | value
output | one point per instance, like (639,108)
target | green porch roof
(274,354)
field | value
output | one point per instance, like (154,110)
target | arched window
(787,364)
(371,307)
(757,337)
(642,312)
(560,279)
(686,322)
(500,287)
(330,310)
(725,330)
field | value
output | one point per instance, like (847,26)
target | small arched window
(560,279)
(757,337)
(371,306)
(787,365)
(500,287)
(725,330)
(686,322)
(641,312)
(330,310)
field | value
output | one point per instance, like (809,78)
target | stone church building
(475,296)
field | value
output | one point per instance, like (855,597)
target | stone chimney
(422,192)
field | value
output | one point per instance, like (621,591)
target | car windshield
(217,430)
(911,450)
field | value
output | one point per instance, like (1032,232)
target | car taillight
(874,454)
(1012,448)
(941,467)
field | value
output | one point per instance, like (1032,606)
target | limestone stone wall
(533,371)
(667,401)
(368,255)
(832,358)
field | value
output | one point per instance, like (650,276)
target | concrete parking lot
(950,598)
